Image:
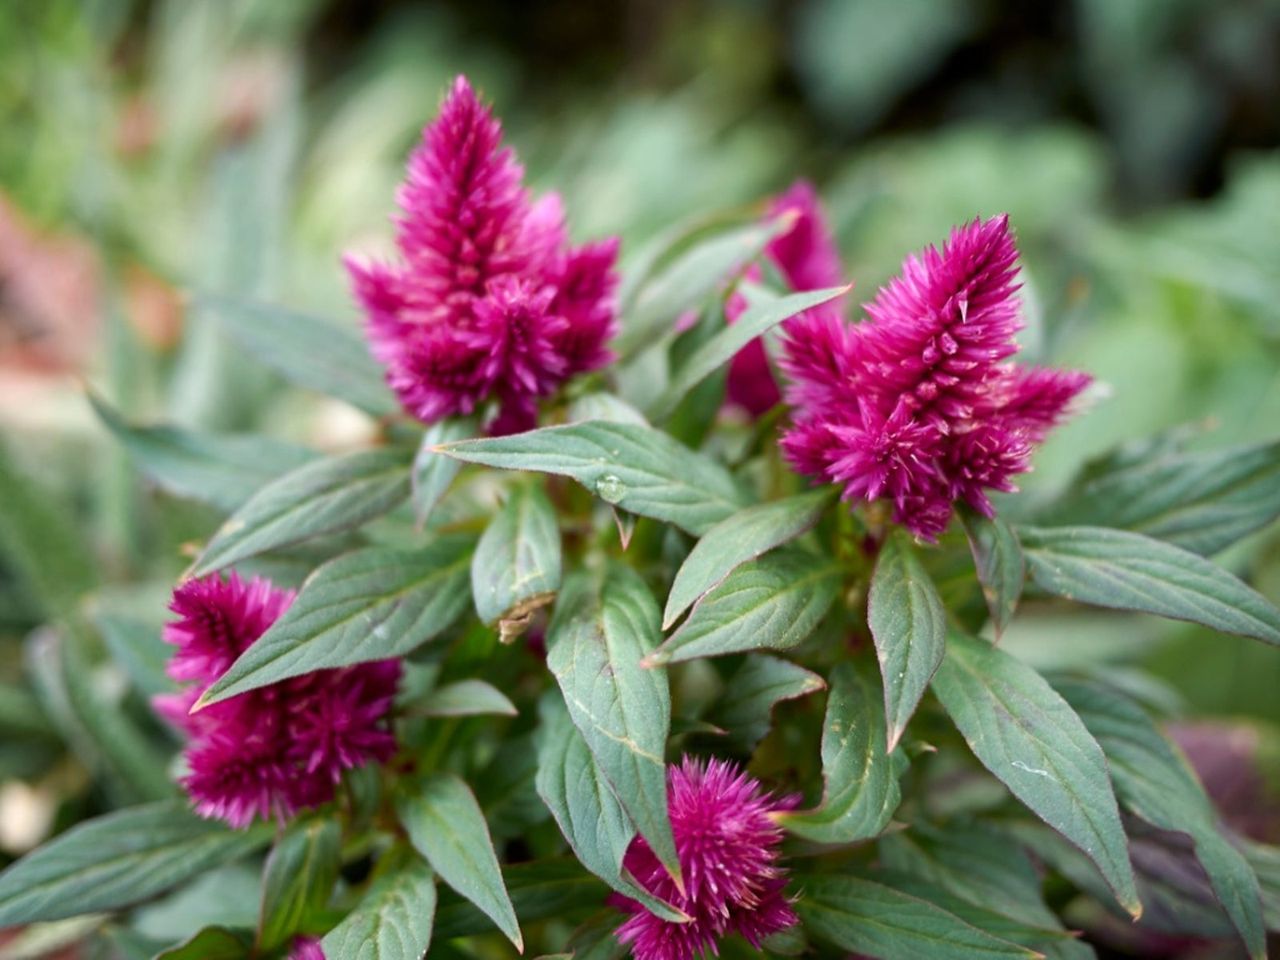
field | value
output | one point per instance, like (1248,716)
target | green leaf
(1001,567)
(603,626)
(516,567)
(1127,571)
(690,279)
(298,879)
(325,496)
(634,468)
(432,471)
(539,889)
(468,698)
(870,918)
(137,647)
(985,867)
(223,470)
(741,537)
(771,603)
(212,943)
(584,806)
(371,604)
(986,918)
(753,690)
(117,860)
(860,779)
(910,630)
(446,826)
(1202,502)
(764,312)
(311,352)
(393,920)
(1031,739)
(1155,783)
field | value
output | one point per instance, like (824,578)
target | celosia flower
(489,302)
(920,405)
(306,948)
(807,258)
(279,748)
(727,845)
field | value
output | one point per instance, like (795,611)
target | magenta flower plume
(921,406)
(727,845)
(279,748)
(306,948)
(807,258)
(489,302)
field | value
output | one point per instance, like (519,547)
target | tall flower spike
(282,747)
(727,845)
(921,405)
(488,303)
(807,258)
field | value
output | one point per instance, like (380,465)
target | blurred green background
(152,149)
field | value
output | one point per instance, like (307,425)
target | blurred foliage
(153,149)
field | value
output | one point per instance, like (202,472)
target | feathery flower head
(727,845)
(279,748)
(306,948)
(489,301)
(921,405)
(807,258)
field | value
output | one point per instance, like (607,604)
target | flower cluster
(282,747)
(806,256)
(727,844)
(489,301)
(920,405)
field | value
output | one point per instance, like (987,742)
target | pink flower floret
(727,844)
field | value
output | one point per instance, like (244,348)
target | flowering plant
(666,617)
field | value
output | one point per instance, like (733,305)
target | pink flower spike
(280,748)
(306,948)
(921,406)
(488,302)
(727,844)
(807,258)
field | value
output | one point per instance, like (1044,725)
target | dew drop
(610,489)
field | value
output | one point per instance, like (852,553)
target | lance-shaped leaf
(771,603)
(445,825)
(516,567)
(1034,743)
(307,350)
(870,918)
(432,471)
(604,625)
(324,496)
(1127,571)
(223,470)
(117,860)
(1203,501)
(764,312)
(733,541)
(539,889)
(860,779)
(467,698)
(371,604)
(910,630)
(760,683)
(393,920)
(1155,783)
(690,279)
(584,806)
(298,878)
(1001,567)
(634,468)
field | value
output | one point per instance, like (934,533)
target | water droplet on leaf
(610,489)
